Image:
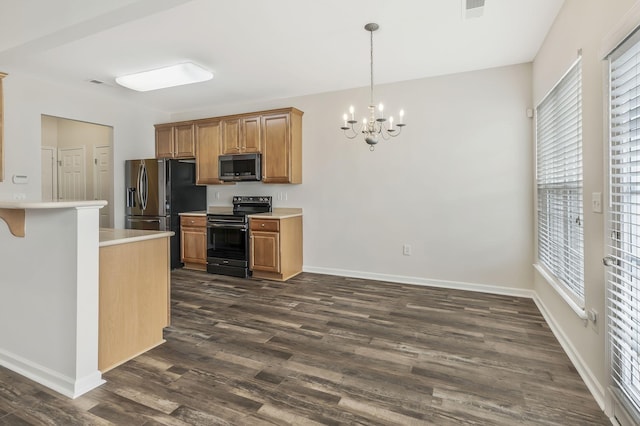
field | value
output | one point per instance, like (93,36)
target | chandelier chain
(371,68)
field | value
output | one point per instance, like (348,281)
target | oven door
(227,249)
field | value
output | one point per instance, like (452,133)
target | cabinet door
(208,146)
(265,251)
(250,141)
(276,155)
(164,142)
(184,146)
(231,136)
(194,245)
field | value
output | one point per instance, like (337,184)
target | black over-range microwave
(239,167)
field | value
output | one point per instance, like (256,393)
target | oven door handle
(226,226)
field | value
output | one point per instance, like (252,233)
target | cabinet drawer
(193,220)
(272,225)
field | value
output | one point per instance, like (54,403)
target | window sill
(579,310)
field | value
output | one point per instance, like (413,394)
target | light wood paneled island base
(134,294)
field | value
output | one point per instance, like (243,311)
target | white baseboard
(585,373)
(60,383)
(455,285)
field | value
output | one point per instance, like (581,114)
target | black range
(228,235)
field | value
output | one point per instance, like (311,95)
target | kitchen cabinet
(276,247)
(276,134)
(282,147)
(208,146)
(193,241)
(175,140)
(241,135)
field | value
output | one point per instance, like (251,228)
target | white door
(49,158)
(72,180)
(102,181)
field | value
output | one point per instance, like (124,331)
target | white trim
(403,279)
(620,412)
(580,365)
(621,31)
(560,289)
(50,378)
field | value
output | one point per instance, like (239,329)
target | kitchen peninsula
(134,293)
(50,291)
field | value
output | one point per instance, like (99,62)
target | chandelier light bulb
(372,128)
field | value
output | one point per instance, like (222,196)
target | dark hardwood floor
(329,350)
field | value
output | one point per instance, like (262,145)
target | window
(623,277)
(559,184)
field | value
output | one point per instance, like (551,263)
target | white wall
(49,299)
(456,185)
(583,24)
(26,99)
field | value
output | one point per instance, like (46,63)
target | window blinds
(623,289)
(559,183)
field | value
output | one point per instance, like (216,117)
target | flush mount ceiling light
(161,78)
(372,128)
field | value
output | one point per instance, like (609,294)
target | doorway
(77,163)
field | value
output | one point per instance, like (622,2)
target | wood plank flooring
(324,350)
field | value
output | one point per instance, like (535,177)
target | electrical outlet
(406,250)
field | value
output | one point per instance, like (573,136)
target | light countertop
(196,213)
(111,236)
(278,213)
(50,204)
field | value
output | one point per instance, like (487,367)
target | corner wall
(582,24)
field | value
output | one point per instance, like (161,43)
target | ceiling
(262,49)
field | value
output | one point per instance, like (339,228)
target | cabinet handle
(262,225)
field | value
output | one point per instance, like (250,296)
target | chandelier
(374,127)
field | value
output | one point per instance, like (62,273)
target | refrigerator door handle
(131,201)
(143,186)
(139,184)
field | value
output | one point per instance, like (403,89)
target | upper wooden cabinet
(250,134)
(208,147)
(231,136)
(241,134)
(282,147)
(175,140)
(277,134)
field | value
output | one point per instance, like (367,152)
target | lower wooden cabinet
(276,247)
(193,241)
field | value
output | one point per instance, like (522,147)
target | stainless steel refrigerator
(157,190)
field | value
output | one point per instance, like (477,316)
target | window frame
(566,221)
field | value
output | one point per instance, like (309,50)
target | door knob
(609,261)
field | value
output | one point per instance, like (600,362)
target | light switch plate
(596,202)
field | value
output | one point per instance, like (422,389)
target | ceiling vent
(472,8)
